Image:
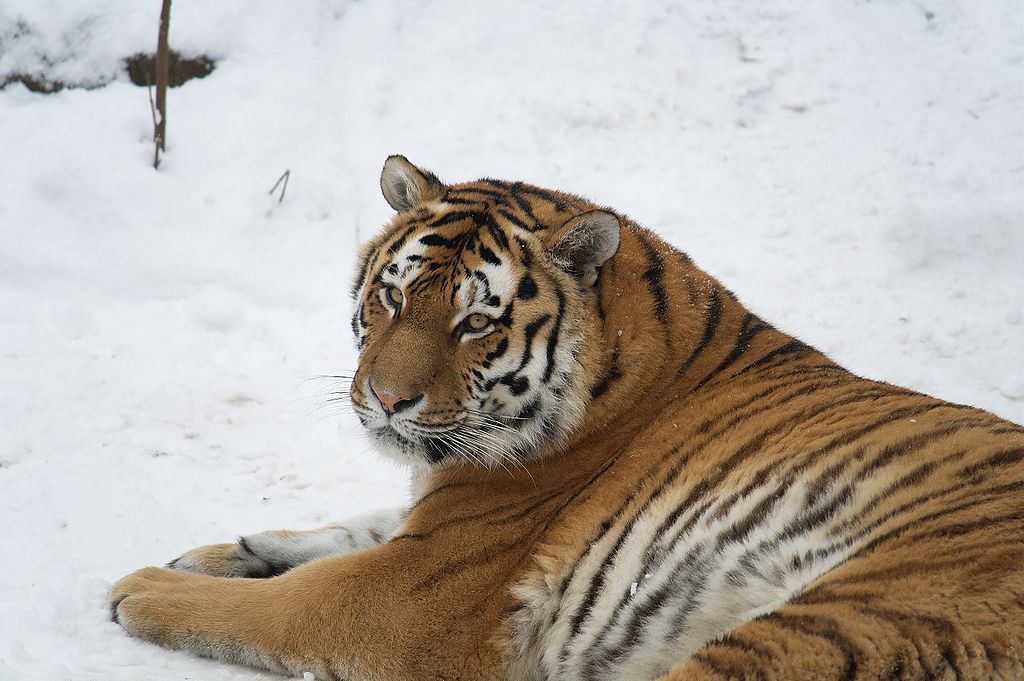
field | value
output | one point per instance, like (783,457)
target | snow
(854,171)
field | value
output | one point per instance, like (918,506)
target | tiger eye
(394,295)
(477,322)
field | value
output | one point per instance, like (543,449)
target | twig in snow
(284,187)
(152,106)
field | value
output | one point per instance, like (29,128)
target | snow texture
(853,170)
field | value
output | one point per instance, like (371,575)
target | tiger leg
(358,616)
(271,553)
(937,607)
(276,624)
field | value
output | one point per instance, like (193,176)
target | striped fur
(625,475)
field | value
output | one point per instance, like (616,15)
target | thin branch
(163,65)
(152,105)
(284,187)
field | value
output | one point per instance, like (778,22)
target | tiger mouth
(483,442)
(433,448)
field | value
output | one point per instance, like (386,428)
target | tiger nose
(393,403)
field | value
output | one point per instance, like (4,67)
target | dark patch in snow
(142,68)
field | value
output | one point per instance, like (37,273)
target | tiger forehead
(457,256)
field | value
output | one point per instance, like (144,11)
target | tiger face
(468,316)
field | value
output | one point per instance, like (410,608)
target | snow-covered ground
(854,170)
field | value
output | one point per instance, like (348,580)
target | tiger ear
(405,186)
(585,243)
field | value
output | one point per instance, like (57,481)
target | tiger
(619,472)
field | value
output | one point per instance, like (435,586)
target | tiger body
(620,473)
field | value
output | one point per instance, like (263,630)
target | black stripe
(525,253)
(490,553)
(400,241)
(749,328)
(438,240)
(517,385)
(699,490)
(997,460)
(904,447)
(823,628)
(489,256)
(553,338)
(735,414)
(713,317)
(949,508)
(793,347)
(527,288)
(705,485)
(500,240)
(490,193)
(655,277)
(498,351)
(520,189)
(613,374)
(508,215)
(455,200)
(478,218)
(364,264)
(528,336)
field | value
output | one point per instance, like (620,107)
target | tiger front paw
(228,560)
(151,604)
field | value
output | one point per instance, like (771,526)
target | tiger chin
(620,473)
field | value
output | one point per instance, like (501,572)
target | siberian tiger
(619,473)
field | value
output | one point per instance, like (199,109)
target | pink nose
(393,403)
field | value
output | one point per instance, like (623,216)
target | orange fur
(688,399)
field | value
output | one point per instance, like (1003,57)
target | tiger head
(471,311)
